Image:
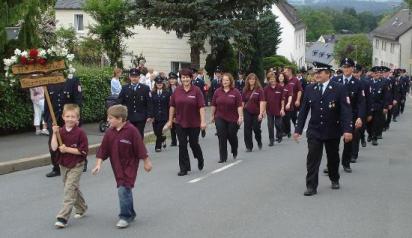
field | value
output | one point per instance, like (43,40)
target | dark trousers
(348,149)
(251,124)
(395,111)
(375,126)
(53,154)
(294,116)
(173,135)
(357,136)
(158,131)
(286,122)
(190,135)
(388,119)
(402,105)
(274,121)
(315,147)
(226,131)
(140,126)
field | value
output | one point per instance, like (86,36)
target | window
(176,66)
(384,45)
(78,22)
(392,49)
(377,44)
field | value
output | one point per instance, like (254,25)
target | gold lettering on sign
(41,81)
(38,68)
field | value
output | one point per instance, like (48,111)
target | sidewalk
(27,150)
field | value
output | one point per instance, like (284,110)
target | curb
(40,160)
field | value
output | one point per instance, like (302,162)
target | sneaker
(45,132)
(122,224)
(60,223)
(38,132)
(79,215)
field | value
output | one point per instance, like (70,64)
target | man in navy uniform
(390,96)
(331,117)
(216,82)
(405,85)
(138,100)
(397,93)
(240,81)
(357,100)
(378,105)
(69,92)
(160,99)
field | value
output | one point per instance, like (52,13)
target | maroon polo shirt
(125,148)
(75,138)
(297,87)
(187,105)
(274,97)
(252,99)
(287,92)
(227,103)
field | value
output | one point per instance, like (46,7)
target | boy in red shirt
(71,158)
(124,145)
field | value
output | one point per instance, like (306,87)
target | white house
(293,37)
(392,42)
(164,52)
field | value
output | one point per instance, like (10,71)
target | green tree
(277,61)
(358,47)
(197,19)
(269,33)
(114,21)
(67,37)
(222,55)
(317,22)
(408,3)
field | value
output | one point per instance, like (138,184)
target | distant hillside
(359,6)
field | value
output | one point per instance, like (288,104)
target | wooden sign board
(41,81)
(38,68)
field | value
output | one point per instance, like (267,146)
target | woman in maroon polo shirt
(253,110)
(227,113)
(275,107)
(289,106)
(187,106)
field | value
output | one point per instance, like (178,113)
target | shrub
(16,112)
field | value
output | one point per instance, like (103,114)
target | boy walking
(71,157)
(124,145)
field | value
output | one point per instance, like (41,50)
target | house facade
(392,42)
(164,52)
(293,36)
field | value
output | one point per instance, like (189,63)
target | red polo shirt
(274,97)
(288,92)
(125,148)
(227,103)
(187,105)
(297,87)
(252,99)
(75,138)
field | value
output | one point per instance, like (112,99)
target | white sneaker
(78,215)
(122,224)
(45,132)
(60,224)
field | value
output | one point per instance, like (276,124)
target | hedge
(16,112)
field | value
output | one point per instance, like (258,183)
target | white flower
(17,52)
(7,62)
(24,53)
(70,76)
(64,52)
(70,57)
(13,59)
(42,53)
(71,69)
(49,51)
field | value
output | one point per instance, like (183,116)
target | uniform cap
(385,69)
(318,66)
(159,79)
(376,69)
(348,62)
(219,69)
(134,72)
(172,75)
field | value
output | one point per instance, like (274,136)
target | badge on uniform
(332,104)
(79,89)
(348,100)
(363,93)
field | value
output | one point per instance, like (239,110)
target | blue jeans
(127,212)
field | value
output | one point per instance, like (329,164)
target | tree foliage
(114,21)
(222,55)
(198,20)
(358,47)
(327,21)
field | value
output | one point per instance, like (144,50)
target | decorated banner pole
(40,67)
(53,116)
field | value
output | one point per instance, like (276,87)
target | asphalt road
(258,195)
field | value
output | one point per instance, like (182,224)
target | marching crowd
(344,103)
